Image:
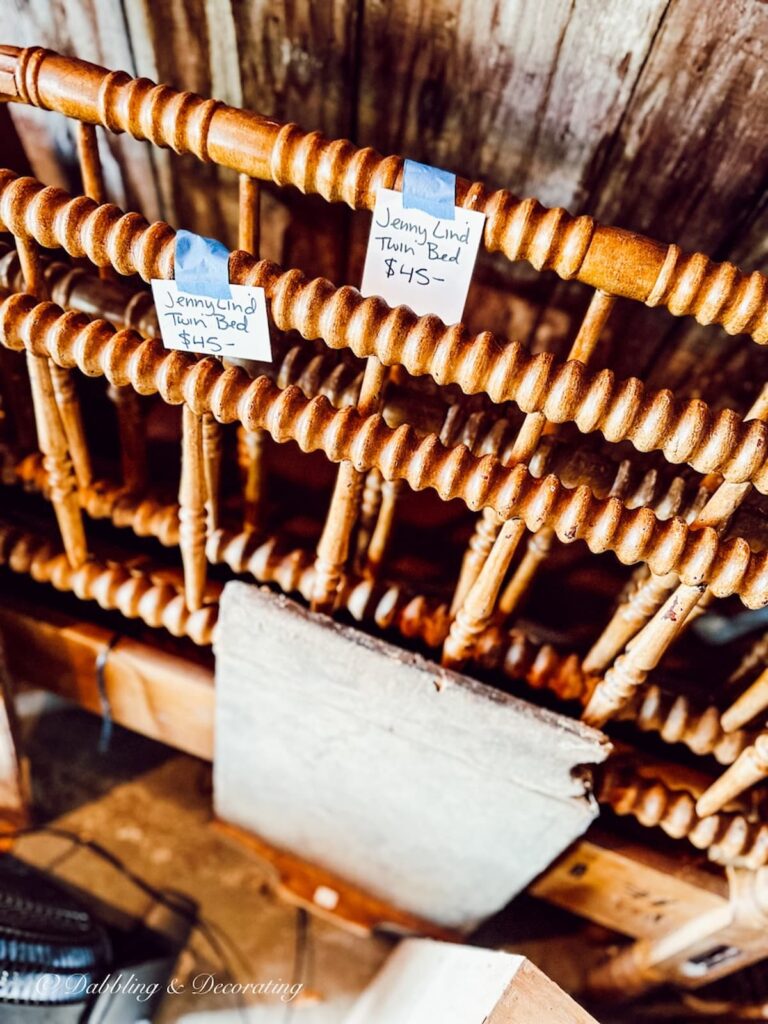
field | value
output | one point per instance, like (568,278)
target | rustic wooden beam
(327,895)
(152,692)
(632,889)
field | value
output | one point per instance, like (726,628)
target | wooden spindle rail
(685,431)
(252,446)
(474,613)
(648,647)
(51,434)
(193,493)
(618,262)
(130,421)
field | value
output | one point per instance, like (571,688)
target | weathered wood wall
(647,114)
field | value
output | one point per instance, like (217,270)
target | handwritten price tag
(421,261)
(235,327)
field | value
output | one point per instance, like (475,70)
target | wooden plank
(327,896)
(502,92)
(430,981)
(449,795)
(152,692)
(532,996)
(688,163)
(631,889)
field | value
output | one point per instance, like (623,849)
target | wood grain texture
(531,998)
(287,49)
(430,981)
(687,162)
(426,773)
(694,130)
(96,30)
(503,89)
(150,691)
(634,890)
(645,114)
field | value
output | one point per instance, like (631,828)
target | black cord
(105,737)
(301,951)
(206,929)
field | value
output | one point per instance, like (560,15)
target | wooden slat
(634,890)
(503,90)
(157,694)
(363,739)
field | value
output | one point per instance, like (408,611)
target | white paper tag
(421,261)
(235,327)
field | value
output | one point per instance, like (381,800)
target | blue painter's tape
(429,189)
(202,266)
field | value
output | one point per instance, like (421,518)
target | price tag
(419,260)
(236,327)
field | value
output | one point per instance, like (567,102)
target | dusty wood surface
(157,694)
(634,890)
(431,981)
(419,785)
(327,896)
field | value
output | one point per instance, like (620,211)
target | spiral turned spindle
(684,431)
(681,602)
(674,718)
(479,592)
(133,593)
(333,548)
(729,838)
(615,261)
(146,515)
(699,557)
(677,719)
(748,769)
(749,705)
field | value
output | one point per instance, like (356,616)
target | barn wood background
(646,114)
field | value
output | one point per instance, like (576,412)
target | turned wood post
(130,419)
(192,511)
(51,434)
(648,647)
(749,768)
(333,546)
(252,445)
(485,587)
(749,705)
